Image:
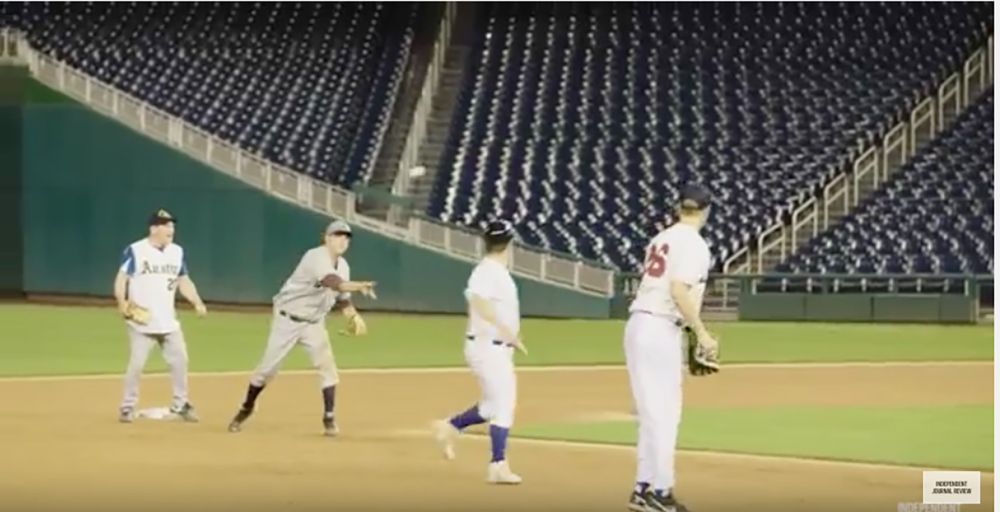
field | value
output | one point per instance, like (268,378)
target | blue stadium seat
(935,216)
(583,120)
(307,85)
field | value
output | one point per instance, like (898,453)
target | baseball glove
(356,326)
(137,314)
(701,360)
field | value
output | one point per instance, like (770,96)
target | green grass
(940,436)
(51,340)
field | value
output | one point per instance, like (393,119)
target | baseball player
(668,298)
(152,271)
(491,336)
(320,283)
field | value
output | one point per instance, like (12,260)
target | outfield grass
(939,436)
(56,340)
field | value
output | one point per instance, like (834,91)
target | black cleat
(186,413)
(237,424)
(330,428)
(637,502)
(663,503)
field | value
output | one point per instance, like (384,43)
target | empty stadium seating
(307,85)
(935,216)
(581,121)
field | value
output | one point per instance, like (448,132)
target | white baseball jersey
(302,294)
(152,283)
(678,253)
(492,281)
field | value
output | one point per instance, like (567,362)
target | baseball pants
(174,354)
(654,358)
(493,366)
(286,334)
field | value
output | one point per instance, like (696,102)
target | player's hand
(200,309)
(368,289)
(123,308)
(511,339)
(518,344)
(706,340)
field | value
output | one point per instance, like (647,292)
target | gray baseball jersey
(302,295)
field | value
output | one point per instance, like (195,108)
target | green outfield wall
(89,183)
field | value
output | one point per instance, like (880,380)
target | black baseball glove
(701,359)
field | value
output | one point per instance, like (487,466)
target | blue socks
(498,435)
(467,418)
(498,442)
(641,487)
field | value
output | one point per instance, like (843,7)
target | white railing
(524,261)
(293,186)
(805,223)
(865,175)
(949,102)
(422,112)
(876,165)
(975,75)
(922,126)
(895,150)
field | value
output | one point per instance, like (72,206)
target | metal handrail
(260,172)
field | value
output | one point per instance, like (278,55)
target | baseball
(418,171)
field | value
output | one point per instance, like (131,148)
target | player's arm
(189,291)
(125,269)
(485,310)
(338,284)
(684,297)
(120,287)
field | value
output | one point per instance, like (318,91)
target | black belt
(498,343)
(295,318)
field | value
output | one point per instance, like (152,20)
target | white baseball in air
(418,171)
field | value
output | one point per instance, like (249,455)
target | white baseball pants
(493,366)
(654,358)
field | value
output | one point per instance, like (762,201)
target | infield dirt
(64,450)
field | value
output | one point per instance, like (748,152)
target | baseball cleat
(445,434)
(656,502)
(186,413)
(237,424)
(637,502)
(126,415)
(500,473)
(330,428)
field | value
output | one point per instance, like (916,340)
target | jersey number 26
(656,260)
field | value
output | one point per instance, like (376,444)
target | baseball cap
(338,227)
(161,217)
(695,196)
(500,230)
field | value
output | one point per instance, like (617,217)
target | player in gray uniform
(320,283)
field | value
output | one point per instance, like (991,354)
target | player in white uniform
(320,283)
(669,297)
(152,271)
(491,336)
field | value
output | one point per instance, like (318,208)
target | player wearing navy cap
(491,336)
(668,299)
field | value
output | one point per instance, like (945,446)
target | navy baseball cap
(695,197)
(499,230)
(161,217)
